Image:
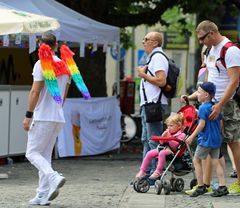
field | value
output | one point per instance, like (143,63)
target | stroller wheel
(135,186)
(193,183)
(158,186)
(172,181)
(178,184)
(142,185)
(167,187)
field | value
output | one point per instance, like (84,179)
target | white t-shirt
(47,109)
(158,62)
(220,78)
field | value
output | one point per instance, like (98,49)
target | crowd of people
(218,117)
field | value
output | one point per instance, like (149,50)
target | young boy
(209,140)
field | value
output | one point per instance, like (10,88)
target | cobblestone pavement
(100,181)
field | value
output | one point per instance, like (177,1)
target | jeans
(152,129)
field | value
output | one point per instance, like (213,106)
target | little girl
(175,124)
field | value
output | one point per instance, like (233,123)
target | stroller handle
(158,138)
(185,98)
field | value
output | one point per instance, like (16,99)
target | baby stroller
(180,163)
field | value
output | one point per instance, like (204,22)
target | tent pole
(133,54)
(118,70)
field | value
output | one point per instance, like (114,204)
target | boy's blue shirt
(210,136)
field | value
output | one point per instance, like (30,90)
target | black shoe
(200,190)
(233,174)
(221,191)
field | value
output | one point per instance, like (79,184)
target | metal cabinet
(4,119)
(17,135)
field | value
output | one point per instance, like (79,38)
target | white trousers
(41,140)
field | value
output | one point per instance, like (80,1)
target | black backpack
(170,89)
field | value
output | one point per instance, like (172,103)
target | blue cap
(209,87)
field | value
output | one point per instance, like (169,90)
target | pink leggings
(161,159)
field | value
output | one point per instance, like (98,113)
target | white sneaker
(55,182)
(40,200)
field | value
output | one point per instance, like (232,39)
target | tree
(123,13)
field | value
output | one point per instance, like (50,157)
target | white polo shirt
(158,62)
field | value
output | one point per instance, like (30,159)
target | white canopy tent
(14,21)
(74,26)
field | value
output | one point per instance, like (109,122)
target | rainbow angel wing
(67,57)
(46,60)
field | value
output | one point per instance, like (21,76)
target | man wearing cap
(209,140)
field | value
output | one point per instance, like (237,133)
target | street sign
(142,57)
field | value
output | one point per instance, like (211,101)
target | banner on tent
(92,127)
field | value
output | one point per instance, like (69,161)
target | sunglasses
(147,39)
(204,36)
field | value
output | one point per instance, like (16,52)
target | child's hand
(165,133)
(189,140)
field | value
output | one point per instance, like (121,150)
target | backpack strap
(150,58)
(147,70)
(206,52)
(222,54)
(224,51)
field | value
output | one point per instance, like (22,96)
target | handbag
(153,111)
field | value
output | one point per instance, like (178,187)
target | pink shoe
(155,175)
(141,174)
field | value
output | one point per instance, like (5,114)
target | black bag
(153,112)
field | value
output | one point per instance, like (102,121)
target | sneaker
(209,189)
(155,175)
(200,190)
(233,174)
(234,188)
(40,200)
(189,192)
(55,182)
(141,174)
(221,191)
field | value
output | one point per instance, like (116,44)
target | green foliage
(125,39)
(177,21)
(133,6)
